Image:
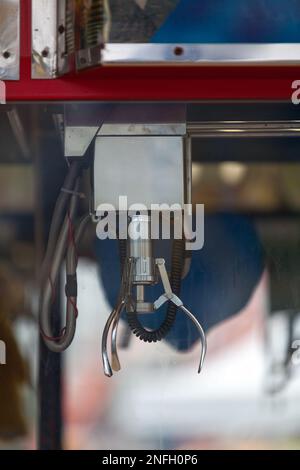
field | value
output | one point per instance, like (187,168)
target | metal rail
(208,129)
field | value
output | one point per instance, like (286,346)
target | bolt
(178,50)
(45,53)
(6,54)
(61,29)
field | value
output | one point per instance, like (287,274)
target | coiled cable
(178,256)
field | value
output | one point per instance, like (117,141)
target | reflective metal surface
(9,39)
(141,250)
(98,35)
(92,32)
(78,139)
(143,129)
(244,129)
(169,296)
(206,54)
(152,169)
(49,56)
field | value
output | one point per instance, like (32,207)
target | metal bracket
(78,139)
(49,54)
(93,34)
(64,28)
(9,39)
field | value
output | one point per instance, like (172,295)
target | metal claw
(169,296)
(113,320)
(114,352)
(202,335)
(125,299)
(106,364)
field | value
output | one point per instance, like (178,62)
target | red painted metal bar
(150,83)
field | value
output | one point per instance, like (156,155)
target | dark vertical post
(50,426)
(49,170)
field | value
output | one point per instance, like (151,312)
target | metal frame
(205,54)
(49,58)
(84,121)
(244,129)
(78,138)
(9,39)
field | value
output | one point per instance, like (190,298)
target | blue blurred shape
(232,21)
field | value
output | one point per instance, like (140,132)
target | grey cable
(45,322)
(71,266)
(58,214)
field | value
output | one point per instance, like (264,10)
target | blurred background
(247,394)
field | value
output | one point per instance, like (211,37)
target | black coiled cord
(178,255)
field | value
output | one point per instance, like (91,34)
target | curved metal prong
(202,335)
(114,333)
(168,295)
(106,364)
(126,298)
(114,319)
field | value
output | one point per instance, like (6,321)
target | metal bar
(49,56)
(202,54)
(78,138)
(247,129)
(9,39)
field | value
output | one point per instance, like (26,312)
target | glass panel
(243,285)
(205,21)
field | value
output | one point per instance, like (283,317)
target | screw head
(6,54)
(178,50)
